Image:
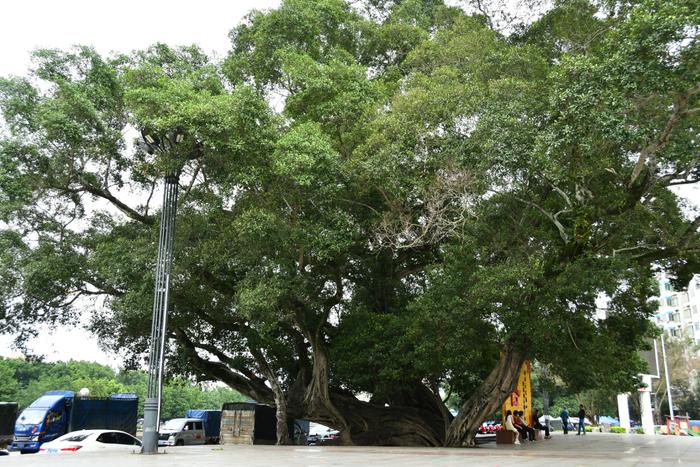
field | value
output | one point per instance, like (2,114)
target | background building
(679,311)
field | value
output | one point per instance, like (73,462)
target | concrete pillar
(623,410)
(150,426)
(645,404)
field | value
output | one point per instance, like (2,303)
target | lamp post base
(150,426)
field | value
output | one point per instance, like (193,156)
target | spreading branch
(253,388)
(445,207)
(554,218)
(106,195)
(647,156)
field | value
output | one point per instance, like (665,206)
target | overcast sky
(108,26)
(115,26)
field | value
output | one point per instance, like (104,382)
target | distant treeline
(23,381)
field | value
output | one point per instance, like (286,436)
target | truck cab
(212,423)
(181,432)
(44,420)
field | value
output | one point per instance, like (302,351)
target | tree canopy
(383,199)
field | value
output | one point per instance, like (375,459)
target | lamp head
(149,137)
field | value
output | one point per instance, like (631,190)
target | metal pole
(668,381)
(164,261)
(545,396)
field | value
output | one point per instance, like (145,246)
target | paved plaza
(593,449)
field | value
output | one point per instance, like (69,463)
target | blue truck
(212,423)
(59,412)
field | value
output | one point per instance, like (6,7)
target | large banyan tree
(382,202)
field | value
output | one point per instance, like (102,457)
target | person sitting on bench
(538,426)
(510,427)
(527,432)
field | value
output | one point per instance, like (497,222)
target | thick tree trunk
(379,425)
(318,397)
(487,398)
(413,416)
(277,391)
(281,413)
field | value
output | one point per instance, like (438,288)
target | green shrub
(589,429)
(639,431)
(617,429)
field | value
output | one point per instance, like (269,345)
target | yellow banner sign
(521,398)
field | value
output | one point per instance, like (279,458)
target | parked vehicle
(300,432)
(489,428)
(313,440)
(181,432)
(59,412)
(212,423)
(555,423)
(330,436)
(92,441)
(8,415)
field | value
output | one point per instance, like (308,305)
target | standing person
(511,427)
(538,426)
(581,420)
(565,420)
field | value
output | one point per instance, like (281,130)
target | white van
(181,432)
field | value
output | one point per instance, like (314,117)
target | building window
(686,313)
(667,286)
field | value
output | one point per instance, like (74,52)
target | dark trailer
(253,423)
(8,415)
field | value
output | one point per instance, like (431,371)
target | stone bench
(508,437)
(505,437)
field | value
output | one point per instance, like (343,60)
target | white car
(92,441)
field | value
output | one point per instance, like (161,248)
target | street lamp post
(164,261)
(668,381)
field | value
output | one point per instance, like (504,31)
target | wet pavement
(599,449)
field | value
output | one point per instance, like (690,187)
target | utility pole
(159,324)
(545,395)
(668,381)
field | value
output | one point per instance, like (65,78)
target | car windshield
(31,416)
(174,424)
